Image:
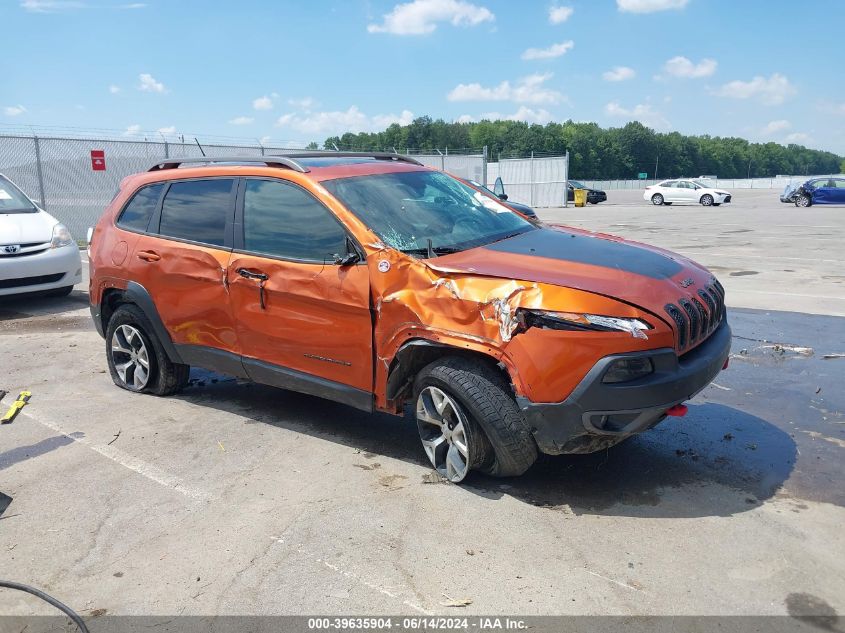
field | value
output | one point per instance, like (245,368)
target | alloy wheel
(130,357)
(657,199)
(707,200)
(444,433)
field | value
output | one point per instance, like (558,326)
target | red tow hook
(727,362)
(678,411)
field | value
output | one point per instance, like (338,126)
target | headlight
(578,321)
(61,237)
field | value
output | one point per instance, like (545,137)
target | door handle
(260,278)
(249,274)
(149,256)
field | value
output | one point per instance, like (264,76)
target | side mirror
(503,196)
(345,260)
(499,188)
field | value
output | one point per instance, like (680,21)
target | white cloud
(798,137)
(776,126)
(307,104)
(263,103)
(170,129)
(619,73)
(132,130)
(555,50)
(524,113)
(420,17)
(527,90)
(649,6)
(466,118)
(241,120)
(771,91)
(559,15)
(55,6)
(114,89)
(680,66)
(264,140)
(14,110)
(351,120)
(149,84)
(642,112)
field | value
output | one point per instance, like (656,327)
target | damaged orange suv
(374,281)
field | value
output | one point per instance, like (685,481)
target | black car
(499,192)
(594,196)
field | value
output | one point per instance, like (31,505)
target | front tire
(137,361)
(468,419)
(803,201)
(657,199)
(706,200)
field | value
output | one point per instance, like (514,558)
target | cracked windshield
(426,213)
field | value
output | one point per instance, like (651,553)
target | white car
(680,190)
(37,252)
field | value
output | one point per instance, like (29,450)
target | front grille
(30,281)
(31,248)
(694,321)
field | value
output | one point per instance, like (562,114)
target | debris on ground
(373,466)
(781,349)
(751,447)
(728,437)
(471,552)
(831,356)
(452,602)
(116,435)
(17,405)
(434,478)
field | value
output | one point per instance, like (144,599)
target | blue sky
(301,71)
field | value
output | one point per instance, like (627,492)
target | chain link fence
(58,172)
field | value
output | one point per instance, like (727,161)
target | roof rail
(331,154)
(270,161)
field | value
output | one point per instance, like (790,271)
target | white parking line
(135,464)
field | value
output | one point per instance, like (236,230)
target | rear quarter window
(197,210)
(136,215)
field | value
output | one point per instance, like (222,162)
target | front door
(303,320)
(182,260)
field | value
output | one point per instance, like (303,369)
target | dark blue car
(821,191)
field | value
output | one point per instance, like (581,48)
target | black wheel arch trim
(137,294)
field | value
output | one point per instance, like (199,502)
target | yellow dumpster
(581,197)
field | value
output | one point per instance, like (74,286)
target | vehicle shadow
(717,461)
(25,306)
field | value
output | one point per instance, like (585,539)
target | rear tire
(498,440)
(130,344)
(657,199)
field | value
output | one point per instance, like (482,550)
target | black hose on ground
(49,599)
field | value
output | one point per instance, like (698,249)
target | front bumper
(596,197)
(598,415)
(48,270)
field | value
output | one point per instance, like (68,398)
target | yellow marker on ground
(17,405)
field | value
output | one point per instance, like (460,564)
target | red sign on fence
(98,160)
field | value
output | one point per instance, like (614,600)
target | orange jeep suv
(374,281)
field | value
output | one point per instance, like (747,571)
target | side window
(839,184)
(197,210)
(136,215)
(673,184)
(283,220)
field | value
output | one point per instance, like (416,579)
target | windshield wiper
(432,251)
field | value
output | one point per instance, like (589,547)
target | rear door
(670,191)
(838,190)
(303,321)
(182,261)
(824,193)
